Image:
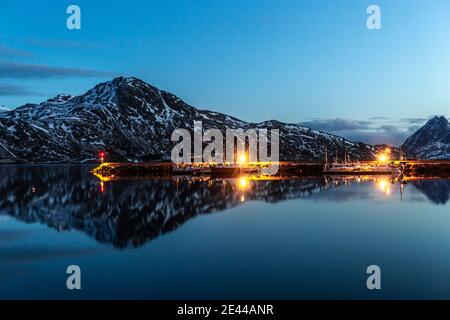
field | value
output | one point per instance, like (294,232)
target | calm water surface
(221,238)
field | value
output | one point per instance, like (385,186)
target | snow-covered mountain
(132,120)
(432,141)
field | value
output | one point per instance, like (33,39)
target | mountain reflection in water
(129,213)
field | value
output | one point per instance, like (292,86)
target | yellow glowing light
(99,172)
(243,182)
(384,186)
(383,157)
(242,159)
(387,150)
(243,185)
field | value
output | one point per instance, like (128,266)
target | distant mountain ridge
(431,141)
(133,121)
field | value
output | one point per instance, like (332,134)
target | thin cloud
(15,90)
(337,124)
(414,120)
(11,52)
(34,71)
(376,130)
(62,43)
(394,138)
(387,128)
(414,128)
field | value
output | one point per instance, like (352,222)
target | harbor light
(101,155)
(383,157)
(242,159)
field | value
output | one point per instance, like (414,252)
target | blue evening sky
(296,61)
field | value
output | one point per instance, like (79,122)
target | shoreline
(414,168)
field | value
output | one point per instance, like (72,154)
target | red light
(101,154)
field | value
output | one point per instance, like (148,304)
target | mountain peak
(437,120)
(107,92)
(127,82)
(102,93)
(432,141)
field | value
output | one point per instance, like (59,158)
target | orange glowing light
(242,159)
(99,172)
(102,186)
(383,157)
(243,182)
(384,186)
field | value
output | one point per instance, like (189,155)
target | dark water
(234,238)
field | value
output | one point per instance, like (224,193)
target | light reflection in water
(130,212)
(384,185)
(296,225)
(243,183)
